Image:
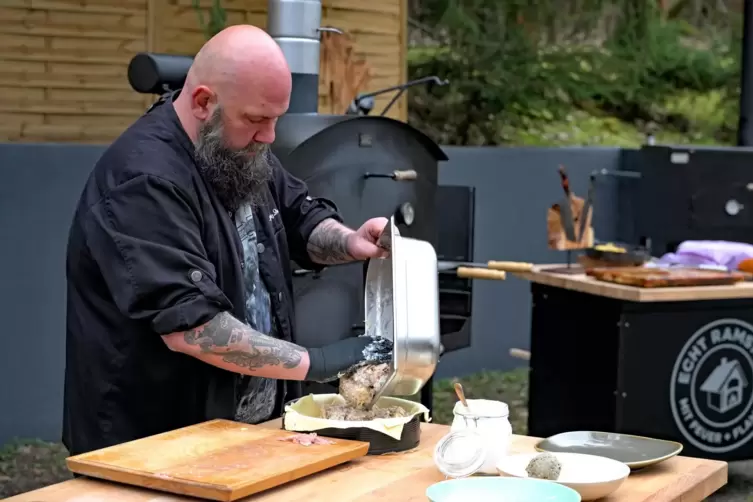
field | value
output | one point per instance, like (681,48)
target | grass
(31,464)
(509,387)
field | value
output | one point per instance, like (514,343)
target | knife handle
(565,180)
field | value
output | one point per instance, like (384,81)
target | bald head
(242,70)
(238,58)
(238,86)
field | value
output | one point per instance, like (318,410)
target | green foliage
(217,18)
(512,68)
(580,128)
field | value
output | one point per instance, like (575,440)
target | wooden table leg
(427,394)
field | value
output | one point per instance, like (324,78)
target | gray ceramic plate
(635,451)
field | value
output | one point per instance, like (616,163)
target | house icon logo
(724,386)
(711,387)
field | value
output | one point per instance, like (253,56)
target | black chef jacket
(152,251)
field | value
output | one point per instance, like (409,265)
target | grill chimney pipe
(295,26)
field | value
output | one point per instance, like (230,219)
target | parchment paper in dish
(305,415)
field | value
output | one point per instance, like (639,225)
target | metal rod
(424,80)
(619,174)
(392,102)
(401,88)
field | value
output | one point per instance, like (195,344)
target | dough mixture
(347,412)
(358,389)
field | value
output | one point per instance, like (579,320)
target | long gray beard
(237,176)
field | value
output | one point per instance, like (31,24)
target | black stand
(677,370)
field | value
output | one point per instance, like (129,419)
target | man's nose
(265,134)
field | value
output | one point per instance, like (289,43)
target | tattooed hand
(363,244)
(243,349)
(331,242)
(332,361)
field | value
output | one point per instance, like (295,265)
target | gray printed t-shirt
(258,394)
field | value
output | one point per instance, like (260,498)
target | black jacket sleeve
(145,235)
(301,213)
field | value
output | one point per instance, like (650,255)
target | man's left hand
(337,359)
(362,244)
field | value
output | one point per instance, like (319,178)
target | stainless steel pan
(402,304)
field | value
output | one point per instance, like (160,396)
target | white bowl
(592,476)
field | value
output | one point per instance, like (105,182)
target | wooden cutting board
(660,278)
(217,460)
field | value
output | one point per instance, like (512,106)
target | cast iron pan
(633,255)
(378,443)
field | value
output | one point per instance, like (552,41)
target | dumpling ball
(544,466)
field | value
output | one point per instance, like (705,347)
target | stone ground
(29,465)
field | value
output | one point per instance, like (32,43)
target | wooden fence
(63,62)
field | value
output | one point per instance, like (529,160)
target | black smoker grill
(368,166)
(687,193)
(338,158)
(348,159)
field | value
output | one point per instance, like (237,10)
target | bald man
(180,303)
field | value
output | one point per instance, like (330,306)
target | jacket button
(260,247)
(196,275)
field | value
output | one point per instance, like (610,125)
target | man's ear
(201,100)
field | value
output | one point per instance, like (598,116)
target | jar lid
(482,408)
(460,454)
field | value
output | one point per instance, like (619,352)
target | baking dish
(401,300)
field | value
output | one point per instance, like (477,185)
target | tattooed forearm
(241,346)
(328,243)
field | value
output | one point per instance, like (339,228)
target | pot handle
(510,266)
(521,354)
(481,273)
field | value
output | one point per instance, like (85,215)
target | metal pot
(402,303)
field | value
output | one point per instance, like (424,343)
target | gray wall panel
(40,187)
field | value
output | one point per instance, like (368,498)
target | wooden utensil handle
(520,354)
(510,266)
(481,273)
(460,393)
(408,175)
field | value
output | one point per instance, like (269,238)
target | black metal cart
(652,363)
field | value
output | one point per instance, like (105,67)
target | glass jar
(460,454)
(490,420)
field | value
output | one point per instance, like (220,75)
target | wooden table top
(584,284)
(405,477)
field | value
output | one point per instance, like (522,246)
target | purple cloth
(695,253)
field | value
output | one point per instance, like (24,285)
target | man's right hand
(331,361)
(229,344)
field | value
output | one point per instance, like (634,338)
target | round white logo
(711,390)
